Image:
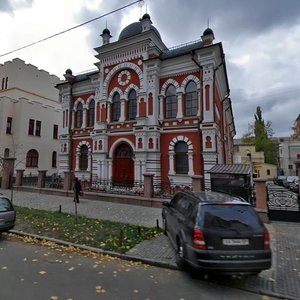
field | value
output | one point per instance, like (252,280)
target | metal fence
(109,186)
(53,181)
(30,180)
(283,205)
(163,189)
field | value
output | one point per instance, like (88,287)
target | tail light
(198,242)
(266,240)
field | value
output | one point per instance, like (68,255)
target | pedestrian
(77,189)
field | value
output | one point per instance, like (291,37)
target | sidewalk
(282,280)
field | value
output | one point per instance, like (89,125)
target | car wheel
(180,258)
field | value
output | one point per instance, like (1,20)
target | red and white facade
(148,109)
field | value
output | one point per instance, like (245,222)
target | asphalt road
(29,270)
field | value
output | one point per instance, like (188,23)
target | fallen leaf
(42,272)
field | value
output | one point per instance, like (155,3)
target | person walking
(77,189)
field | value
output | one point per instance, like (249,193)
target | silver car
(7,214)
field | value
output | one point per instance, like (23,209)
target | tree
(260,134)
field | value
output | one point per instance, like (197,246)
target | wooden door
(123,166)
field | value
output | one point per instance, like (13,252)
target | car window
(174,200)
(184,206)
(222,217)
(5,205)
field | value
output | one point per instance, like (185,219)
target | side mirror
(166,203)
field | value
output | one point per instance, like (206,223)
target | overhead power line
(72,28)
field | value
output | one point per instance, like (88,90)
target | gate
(283,205)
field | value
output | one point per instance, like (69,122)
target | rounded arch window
(91,115)
(132,105)
(83,158)
(54,159)
(32,159)
(181,158)
(79,115)
(116,107)
(123,151)
(171,105)
(191,101)
(6,153)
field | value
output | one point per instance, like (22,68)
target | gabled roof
(242,169)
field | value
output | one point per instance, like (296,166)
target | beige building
(30,117)
(246,154)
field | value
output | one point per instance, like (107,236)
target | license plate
(235,242)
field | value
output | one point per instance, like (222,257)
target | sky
(260,38)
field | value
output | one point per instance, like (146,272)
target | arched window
(54,159)
(83,158)
(116,107)
(32,159)
(91,115)
(191,101)
(79,115)
(132,105)
(181,158)
(6,153)
(171,105)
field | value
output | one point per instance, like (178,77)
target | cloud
(9,6)
(260,39)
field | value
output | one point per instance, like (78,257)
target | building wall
(289,152)
(138,63)
(30,94)
(246,154)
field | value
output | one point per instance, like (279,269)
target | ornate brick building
(148,109)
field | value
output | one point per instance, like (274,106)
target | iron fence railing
(54,181)
(110,186)
(161,189)
(30,180)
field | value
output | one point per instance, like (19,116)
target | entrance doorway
(123,166)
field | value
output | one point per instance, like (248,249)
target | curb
(148,261)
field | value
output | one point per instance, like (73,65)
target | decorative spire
(105,35)
(146,22)
(208,36)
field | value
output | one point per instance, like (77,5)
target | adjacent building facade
(30,117)
(289,152)
(246,154)
(147,109)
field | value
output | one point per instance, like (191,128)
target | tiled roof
(231,169)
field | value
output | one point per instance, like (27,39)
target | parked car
(288,181)
(216,232)
(7,214)
(279,180)
(294,186)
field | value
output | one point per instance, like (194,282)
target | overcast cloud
(260,38)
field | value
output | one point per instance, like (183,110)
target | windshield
(5,205)
(225,216)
